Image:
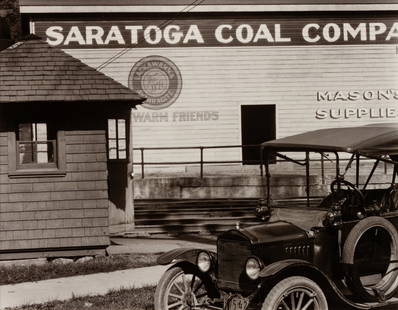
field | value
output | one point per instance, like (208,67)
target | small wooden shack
(64,152)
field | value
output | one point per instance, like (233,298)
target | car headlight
(204,261)
(253,268)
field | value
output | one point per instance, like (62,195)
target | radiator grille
(232,256)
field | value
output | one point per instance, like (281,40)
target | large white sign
(214,32)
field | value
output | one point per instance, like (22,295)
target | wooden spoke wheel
(295,293)
(180,289)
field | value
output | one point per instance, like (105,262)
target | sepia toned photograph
(198,154)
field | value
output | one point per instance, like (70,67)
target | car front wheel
(182,288)
(295,293)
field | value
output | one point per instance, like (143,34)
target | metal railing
(201,162)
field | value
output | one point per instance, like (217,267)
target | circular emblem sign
(158,79)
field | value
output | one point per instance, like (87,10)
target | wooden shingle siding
(63,211)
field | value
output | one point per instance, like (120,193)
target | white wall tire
(298,293)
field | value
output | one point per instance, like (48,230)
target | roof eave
(133,102)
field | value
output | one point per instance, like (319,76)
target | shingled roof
(33,71)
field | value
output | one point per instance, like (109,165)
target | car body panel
(273,232)
(182,254)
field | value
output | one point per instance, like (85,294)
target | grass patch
(132,299)
(17,274)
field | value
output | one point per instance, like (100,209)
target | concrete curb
(65,288)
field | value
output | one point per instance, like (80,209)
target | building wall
(342,79)
(10,15)
(53,212)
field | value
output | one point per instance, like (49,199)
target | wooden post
(307,177)
(129,212)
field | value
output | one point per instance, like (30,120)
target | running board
(375,305)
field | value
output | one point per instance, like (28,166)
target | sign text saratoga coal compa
(226,32)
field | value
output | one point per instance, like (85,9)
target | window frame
(35,142)
(117,139)
(17,170)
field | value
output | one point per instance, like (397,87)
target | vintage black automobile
(341,253)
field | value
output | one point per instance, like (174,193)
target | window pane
(122,149)
(42,153)
(121,128)
(112,128)
(25,132)
(122,144)
(112,154)
(41,132)
(112,147)
(26,153)
(122,154)
(112,144)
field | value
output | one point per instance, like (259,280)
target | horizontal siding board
(27,225)
(4,188)
(52,214)
(87,176)
(85,133)
(88,204)
(92,148)
(84,138)
(3,169)
(54,243)
(3,160)
(22,197)
(21,188)
(85,158)
(100,240)
(91,166)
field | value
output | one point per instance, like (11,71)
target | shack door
(258,126)
(121,211)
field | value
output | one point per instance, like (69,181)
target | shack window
(36,149)
(117,141)
(35,146)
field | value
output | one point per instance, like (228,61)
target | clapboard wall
(220,78)
(69,211)
(223,79)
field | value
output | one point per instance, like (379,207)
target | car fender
(277,267)
(183,254)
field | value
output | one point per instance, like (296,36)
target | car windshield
(315,181)
(310,176)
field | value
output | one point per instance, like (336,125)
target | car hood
(273,232)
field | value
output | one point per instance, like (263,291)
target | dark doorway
(258,126)
(117,162)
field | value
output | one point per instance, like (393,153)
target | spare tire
(370,256)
